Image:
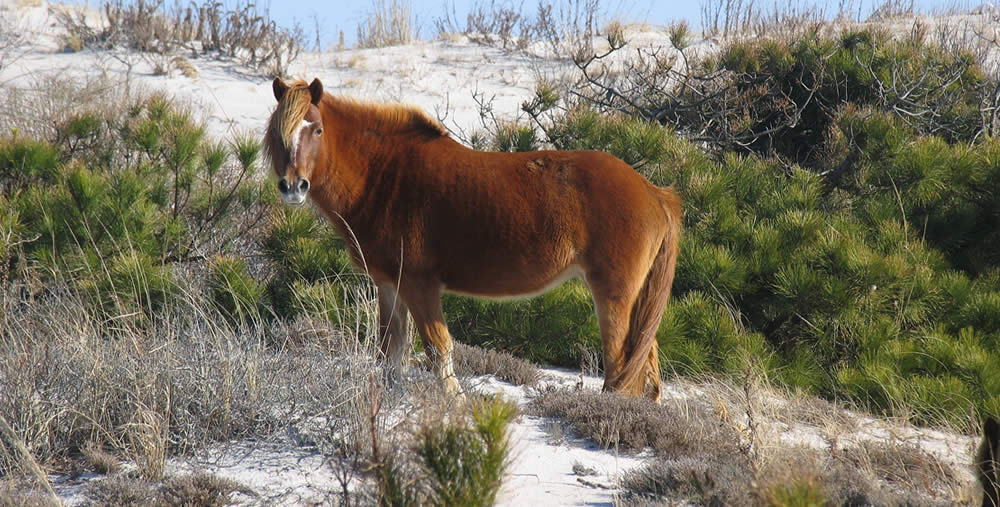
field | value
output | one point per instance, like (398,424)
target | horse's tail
(642,361)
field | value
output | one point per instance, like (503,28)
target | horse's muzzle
(294,193)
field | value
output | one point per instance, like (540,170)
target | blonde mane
(383,119)
(390,118)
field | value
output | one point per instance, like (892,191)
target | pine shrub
(313,271)
(778,96)
(866,282)
(513,137)
(120,198)
(632,140)
(866,67)
(460,462)
(549,328)
(26,161)
(236,294)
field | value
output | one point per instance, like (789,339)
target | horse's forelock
(291,111)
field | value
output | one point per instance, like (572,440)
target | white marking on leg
(446,373)
(447,366)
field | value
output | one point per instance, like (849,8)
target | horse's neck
(350,165)
(335,192)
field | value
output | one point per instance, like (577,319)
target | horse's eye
(319,131)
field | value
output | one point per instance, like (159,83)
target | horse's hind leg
(613,301)
(394,336)
(617,282)
(613,319)
(425,306)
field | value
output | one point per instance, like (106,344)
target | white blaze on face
(294,152)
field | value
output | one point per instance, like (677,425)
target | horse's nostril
(304,185)
(283,186)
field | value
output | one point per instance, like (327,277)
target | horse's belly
(513,284)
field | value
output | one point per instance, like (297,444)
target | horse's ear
(316,90)
(279,87)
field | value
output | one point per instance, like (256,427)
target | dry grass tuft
(13,494)
(566,28)
(695,480)
(791,476)
(631,424)
(390,23)
(38,109)
(201,489)
(184,65)
(725,454)
(232,31)
(122,490)
(16,492)
(101,461)
(904,466)
(472,360)
(800,409)
(206,381)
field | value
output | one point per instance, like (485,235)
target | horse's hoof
(453,388)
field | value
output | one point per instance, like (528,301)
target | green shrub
(26,161)
(778,96)
(235,293)
(301,243)
(120,198)
(548,328)
(947,191)
(512,137)
(801,492)
(135,282)
(463,460)
(636,142)
(313,270)
(832,284)
(816,75)
(466,465)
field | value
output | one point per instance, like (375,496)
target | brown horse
(423,214)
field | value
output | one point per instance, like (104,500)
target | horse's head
(295,137)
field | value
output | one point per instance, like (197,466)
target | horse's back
(558,196)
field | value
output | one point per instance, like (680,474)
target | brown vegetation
(241,32)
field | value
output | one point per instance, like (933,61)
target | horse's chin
(294,200)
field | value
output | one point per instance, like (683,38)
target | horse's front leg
(394,337)
(424,302)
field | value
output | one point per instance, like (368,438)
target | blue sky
(345,15)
